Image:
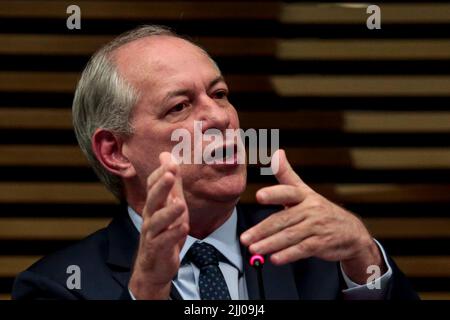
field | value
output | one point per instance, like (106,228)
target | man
(184,235)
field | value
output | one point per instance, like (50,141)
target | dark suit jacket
(106,257)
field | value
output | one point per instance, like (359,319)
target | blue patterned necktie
(212,284)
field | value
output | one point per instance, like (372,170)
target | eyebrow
(218,79)
(182,92)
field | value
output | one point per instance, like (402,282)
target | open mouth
(225,154)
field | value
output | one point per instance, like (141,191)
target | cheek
(158,139)
(234,118)
(145,147)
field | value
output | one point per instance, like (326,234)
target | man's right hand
(164,230)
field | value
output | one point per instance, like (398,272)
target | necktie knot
(203,254)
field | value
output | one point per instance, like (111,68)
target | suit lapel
(123,239)
(279,282)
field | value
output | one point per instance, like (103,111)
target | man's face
(178,84)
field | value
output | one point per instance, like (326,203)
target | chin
(225,189)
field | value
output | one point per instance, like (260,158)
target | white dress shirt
(187,278)
(186,281)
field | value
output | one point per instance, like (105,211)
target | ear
(108,150)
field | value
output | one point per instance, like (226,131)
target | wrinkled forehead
(151,59)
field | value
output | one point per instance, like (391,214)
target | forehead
(157,59)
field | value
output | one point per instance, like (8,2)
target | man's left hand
(310,226)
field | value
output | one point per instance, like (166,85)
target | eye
(221,94)
(178,108)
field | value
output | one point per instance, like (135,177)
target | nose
(214,115)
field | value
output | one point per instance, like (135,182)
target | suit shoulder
(86,254)
(47,278)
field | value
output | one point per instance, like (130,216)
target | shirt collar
(224,239)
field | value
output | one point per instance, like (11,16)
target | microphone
(257,262)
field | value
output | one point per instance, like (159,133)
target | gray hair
(103,99)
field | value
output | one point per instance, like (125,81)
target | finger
(280,194)
(155,176)
(283,170)
(168,161)
(176,193)
(302,250)
(157,173)
(271,225)
(183,218)
(164,218)
(177,190)
(157,195)
(171,239)
(283,239)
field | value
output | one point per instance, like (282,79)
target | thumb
(283,171)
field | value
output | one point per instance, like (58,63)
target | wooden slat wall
(364,115)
